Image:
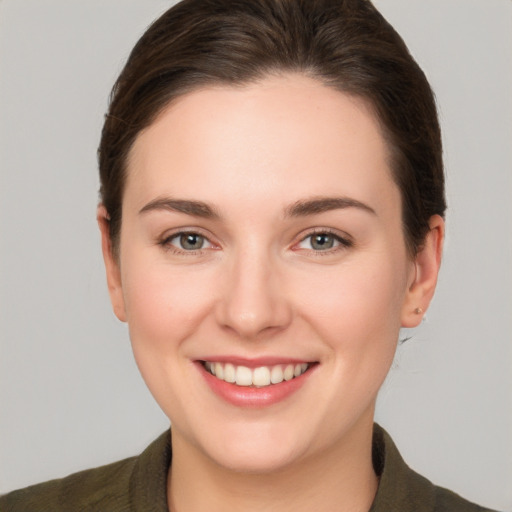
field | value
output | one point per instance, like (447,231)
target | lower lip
(248,396)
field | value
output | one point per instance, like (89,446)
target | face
(262,241)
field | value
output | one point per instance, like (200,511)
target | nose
(254,302)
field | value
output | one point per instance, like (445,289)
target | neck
(341,478)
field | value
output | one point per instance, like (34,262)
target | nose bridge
(254,299)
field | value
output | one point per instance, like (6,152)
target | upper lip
(254,362)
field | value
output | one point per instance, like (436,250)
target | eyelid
(165,240)
(344,240)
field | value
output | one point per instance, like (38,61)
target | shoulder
(448,501)
(402,489)
(102,488)
(133,484)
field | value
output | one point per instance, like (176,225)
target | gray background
(71,396)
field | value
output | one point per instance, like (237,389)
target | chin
(256,459)
(254,449)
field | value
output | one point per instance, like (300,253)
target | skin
(259,288)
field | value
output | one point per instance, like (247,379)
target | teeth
(229,373)
(276,375)
(219,371)
(288,372)
(259,377)
(243,376)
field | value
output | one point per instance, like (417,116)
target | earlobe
(426,265)
(112,269)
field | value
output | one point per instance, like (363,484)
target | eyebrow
(194,208)
(324,204)
(301,208)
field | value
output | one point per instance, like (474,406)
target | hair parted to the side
(345,44)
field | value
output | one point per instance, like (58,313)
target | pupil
(191,241)
(322,241)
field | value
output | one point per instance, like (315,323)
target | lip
(254,397)
(254,362)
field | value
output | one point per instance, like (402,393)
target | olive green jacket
(139,484)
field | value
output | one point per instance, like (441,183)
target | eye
(323,241)
(187,242)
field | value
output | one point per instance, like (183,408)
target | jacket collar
(400,488)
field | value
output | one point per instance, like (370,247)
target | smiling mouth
(259,377)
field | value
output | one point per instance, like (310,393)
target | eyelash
(166,242)
(344,242)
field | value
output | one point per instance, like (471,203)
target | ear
(112,268)
(424,278)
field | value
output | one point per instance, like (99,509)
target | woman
(271,216)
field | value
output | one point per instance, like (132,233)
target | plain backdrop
(71,396)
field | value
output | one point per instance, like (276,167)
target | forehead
(287,131)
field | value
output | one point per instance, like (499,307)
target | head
(272,201)
(346,45)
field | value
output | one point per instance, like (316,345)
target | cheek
(164,305)
(356,313)
(356,308)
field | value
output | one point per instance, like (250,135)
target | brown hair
(345,44)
